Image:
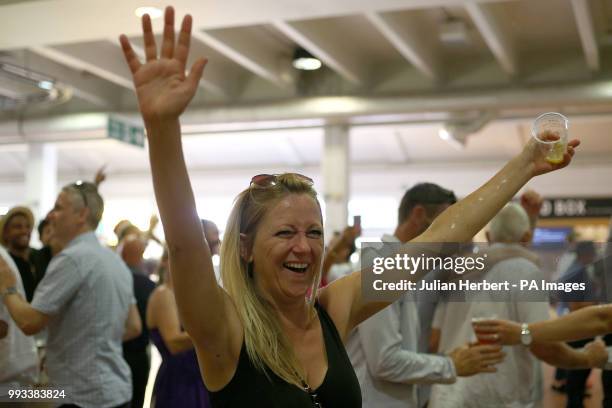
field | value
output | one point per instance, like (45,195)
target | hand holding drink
(550,130)
(504,332)
(483,337)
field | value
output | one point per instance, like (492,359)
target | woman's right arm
(163,92)
(582,324)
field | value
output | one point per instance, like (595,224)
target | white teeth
(297,265)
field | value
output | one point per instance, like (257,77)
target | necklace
(314,397)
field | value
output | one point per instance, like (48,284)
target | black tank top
(251,388)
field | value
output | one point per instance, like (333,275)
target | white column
(41,178)
(336,177)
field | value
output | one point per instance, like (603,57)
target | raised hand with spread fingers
(162,87)
(164,91)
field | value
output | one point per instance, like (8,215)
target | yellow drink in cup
(553,145)
(555,156)
(551,132)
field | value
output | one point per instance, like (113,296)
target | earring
(250,269)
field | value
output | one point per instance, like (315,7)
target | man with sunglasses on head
(385,348)
(86,302)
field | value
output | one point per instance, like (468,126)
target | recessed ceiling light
(304,60)
(153,12)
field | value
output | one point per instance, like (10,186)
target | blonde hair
(266,343)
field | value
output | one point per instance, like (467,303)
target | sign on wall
(576,207)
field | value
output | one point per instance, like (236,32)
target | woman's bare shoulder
(338,299)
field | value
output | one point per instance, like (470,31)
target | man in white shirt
(383,349)
(18,357)
(517,382)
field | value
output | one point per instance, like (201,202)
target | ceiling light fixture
(305,61)
(24,74)
(456,132)
(153,12)
(455,33)
(454,135)
(20,87)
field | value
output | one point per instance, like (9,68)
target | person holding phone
(337,262)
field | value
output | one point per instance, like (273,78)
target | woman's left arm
(458,223)
(461,221)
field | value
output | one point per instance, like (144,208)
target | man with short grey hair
(510,226)
(87,303)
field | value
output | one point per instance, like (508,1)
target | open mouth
(296,267)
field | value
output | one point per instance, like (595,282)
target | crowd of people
(283,320)
(95,313)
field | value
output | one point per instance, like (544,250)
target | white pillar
(336,177)
(41,178)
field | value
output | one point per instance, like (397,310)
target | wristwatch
(11,290)
(525,335)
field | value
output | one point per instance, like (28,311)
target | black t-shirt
(143,287)
(40,260)
(27,276)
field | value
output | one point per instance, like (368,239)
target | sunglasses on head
(267,180)
(81,187)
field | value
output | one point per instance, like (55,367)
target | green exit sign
(126,132)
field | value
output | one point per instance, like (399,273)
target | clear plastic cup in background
(550,130)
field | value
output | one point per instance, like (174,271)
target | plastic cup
(478,335)
(550,130)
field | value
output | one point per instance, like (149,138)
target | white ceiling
(368,48)
(395,69)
